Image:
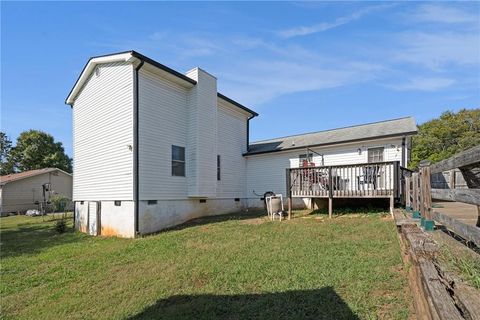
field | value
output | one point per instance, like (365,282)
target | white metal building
(22,191)
(154,147)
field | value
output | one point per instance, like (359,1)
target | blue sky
(303,66)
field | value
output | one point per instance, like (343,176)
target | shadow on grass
(33,237)
(243,215)
(303,304)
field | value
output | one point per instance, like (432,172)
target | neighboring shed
(20,191)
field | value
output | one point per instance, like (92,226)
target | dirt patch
(254,221)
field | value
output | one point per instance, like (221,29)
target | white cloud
(434,50)
(324,26)
(424,84)
(259,81)
(445,14)
(256,69)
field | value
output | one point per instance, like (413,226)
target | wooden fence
(419,193)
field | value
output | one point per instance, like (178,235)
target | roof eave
(238,105)
(90,66)
(128,56)
(409,133)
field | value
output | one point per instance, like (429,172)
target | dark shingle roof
(370,131)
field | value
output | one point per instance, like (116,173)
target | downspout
(136,190)
(248,133)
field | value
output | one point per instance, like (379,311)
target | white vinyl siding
(267,172)
(231,144)
(202,134)
(103,135)
(162,123)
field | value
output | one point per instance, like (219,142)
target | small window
(117,203)
(305,158)
(375,155)
(151,202)
(219,176)
(203,200)
(178,161)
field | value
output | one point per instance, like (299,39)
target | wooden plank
(463,159)
(466,297)
(469,299)
(470,196)
(441,299)
(408,202)
(471,174)
(466,231)
(415,191)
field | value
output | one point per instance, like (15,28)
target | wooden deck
(364,180)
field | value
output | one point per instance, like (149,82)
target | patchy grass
(225,267)
(466,266)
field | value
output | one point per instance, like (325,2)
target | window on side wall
(219,176)
(178,161)
(375,154)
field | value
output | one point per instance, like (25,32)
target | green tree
(5,148)
(37,149)
(441,138)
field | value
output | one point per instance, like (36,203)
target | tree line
(34,149)
(445,136)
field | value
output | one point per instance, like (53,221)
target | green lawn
(226,267)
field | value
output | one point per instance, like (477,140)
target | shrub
(61,226)
(59,202)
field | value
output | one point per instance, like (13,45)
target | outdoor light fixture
(359,151)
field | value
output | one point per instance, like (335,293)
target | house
(22,191)
(385,141)
(154,147)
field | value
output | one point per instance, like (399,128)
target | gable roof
(370,131)
(27,174)
(128,56)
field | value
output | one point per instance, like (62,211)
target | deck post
(427,198)
(330,192)
(330,207)
(396,179)
(289,208)
(289,192)
(391,204)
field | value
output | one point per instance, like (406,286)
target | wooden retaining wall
(437,294)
